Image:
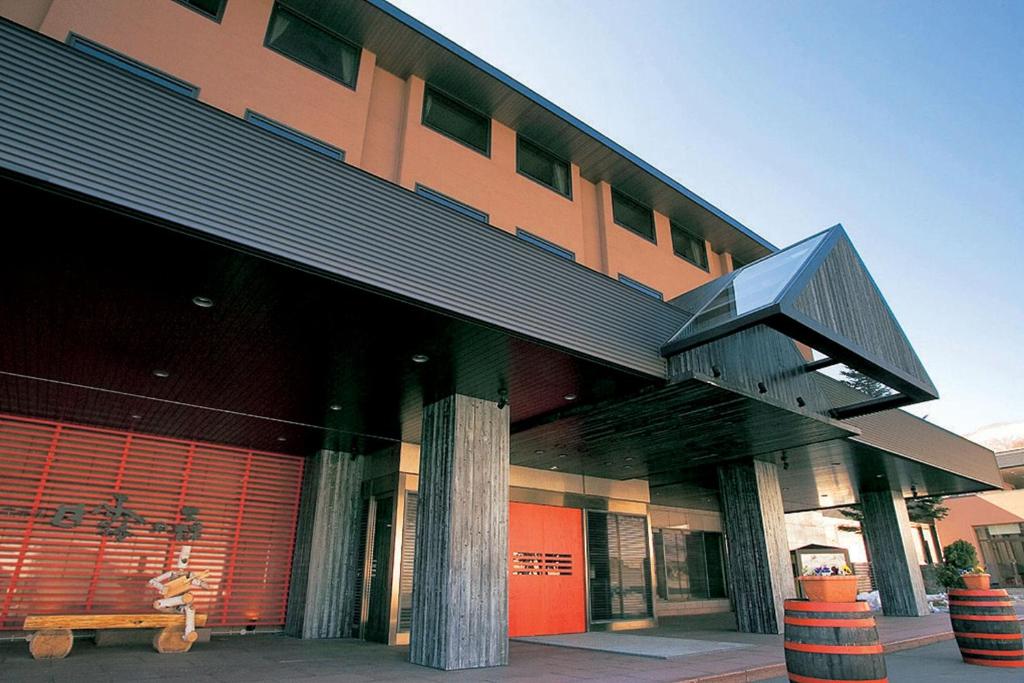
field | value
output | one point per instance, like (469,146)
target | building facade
(993,522)
(407,352)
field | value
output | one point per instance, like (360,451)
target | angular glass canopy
(817,292)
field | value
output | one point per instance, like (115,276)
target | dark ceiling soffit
(783,316)
(985,485)
(123,141)
(628,163)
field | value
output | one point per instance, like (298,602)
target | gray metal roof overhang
(405,46)
(78,124)
(74,123)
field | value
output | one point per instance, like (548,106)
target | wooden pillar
(321,600)
(760,571)
(894,560)
(460,580)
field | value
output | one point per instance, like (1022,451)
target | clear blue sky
(902,120)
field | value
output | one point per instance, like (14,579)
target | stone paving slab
(628,644)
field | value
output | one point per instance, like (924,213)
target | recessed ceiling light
(202,301)
(282,438)
(879,476)
(335,407)
(136,416)
(563,455)
(420,358)
(539,451)
(570,397)
(553,467)
(629,458)
(162,374)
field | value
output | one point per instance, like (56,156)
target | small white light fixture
(335,407)
(420,358)
(553,467)
(570,397)
(563,455)
(136,416)
(629,458)
(282,438)
(539,451)
(162,374)
(202,301)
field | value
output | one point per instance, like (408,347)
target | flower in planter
(825,570)
(976,569)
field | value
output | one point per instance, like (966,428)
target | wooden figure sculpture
(176,588)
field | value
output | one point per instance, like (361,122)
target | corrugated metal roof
(406,46)
(80,124)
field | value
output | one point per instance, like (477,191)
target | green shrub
(958,555)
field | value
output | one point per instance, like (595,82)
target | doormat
(641,646)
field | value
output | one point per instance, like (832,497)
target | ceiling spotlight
(570,397)
(162,374)
(335,407)
(879,476)
(136,416)
(282,438)
(202,301)
(420,358)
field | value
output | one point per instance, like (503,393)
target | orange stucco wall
(378,125)
(968,512)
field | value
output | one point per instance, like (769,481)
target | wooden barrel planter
(832,641)
(986,627)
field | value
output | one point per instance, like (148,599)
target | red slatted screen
(53,559)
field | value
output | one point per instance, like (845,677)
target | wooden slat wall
(51,563)
(756,355)
(760,573)
(460,586)
(894,562)
(843,297)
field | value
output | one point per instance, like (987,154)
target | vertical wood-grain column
(460,580)
(321,599)
(894,561)
(760,572)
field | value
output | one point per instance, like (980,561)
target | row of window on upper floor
(323,50)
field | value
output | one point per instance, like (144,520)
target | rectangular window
(620,566)
(133,67)
(454,204)
(214,9)
(457,121)
(545,245)
(281,130)
(538,164)
(633,215)
(689,246)
(641,287)
(689,565)
(312,45)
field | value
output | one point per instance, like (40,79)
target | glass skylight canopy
(817,292)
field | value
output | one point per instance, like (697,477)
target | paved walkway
(278,658)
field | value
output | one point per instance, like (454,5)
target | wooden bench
(52,637)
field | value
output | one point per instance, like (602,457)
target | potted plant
(830,584)
(976,578)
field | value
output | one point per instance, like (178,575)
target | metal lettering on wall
(88,515)
(116,521)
